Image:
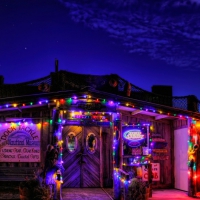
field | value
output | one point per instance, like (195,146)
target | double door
(81,156)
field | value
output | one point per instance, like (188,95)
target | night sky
(148,42)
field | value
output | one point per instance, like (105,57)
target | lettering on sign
(19,143)
(134,134)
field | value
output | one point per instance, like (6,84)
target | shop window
(91,143)
(71,142)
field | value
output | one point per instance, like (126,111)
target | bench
(16,173)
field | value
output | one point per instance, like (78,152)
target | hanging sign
(155,172)
(134,137)
(20,143)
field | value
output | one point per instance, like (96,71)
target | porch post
(57,142)
(192,157)
(116,157)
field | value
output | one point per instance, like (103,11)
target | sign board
(20,142)
(155,172)
(134,136)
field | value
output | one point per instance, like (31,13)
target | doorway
(81,156)
(181,158)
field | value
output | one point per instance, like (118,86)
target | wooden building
(105,127)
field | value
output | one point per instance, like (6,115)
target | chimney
(1,80)
(56,65)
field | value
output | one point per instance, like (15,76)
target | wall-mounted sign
(155,172)
(20,143)
(133,134)
(134,137)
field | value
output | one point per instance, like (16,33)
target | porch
(96,194)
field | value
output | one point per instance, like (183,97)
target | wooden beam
(160,117)
(135,112)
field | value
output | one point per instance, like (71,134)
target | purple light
(40,102)
(111,103)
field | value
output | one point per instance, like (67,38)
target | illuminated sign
(134,137)
(133,134)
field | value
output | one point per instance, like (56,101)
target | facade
(106,129)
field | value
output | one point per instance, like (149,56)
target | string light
(74,99)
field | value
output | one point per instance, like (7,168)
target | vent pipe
(56,65)
(1,80)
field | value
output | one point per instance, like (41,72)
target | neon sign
(133,135)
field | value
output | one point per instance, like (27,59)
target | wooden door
(91,159)
(181,159)
(81,162)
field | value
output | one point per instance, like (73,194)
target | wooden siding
(164,129)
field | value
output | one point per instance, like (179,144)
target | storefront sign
(134,137)
(20,143)
(133,134)
(155,172)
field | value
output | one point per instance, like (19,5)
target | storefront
(107,133)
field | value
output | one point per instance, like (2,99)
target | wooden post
(117,192)
(57,132)
(126,188)
(116,186)
(101,159)
(150,179)
(58,190)
(192,158)
(191,190)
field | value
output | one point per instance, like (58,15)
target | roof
(64,83)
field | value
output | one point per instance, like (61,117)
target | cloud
(167,30)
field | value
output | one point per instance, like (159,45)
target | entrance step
(85,194)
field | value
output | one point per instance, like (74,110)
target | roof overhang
(135,111)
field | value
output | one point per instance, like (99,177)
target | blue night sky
(149,42)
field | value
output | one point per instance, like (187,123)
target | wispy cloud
(167,30)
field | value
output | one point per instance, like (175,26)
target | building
(107,131)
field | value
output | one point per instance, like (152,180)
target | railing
(189,102)
(121,182)
(63,80)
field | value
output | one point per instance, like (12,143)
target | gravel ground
(9,190)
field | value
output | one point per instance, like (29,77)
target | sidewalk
(167,194)
(98,194)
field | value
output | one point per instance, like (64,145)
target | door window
(71,142)
(91,143)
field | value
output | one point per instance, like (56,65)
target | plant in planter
(32,189)
(137,190)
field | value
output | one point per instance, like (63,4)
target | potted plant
(33,189)
(138,190)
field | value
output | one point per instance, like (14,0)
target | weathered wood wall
(107,161)
(163,129)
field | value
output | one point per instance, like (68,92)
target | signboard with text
(134,136)
(155,172)
(20,143)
